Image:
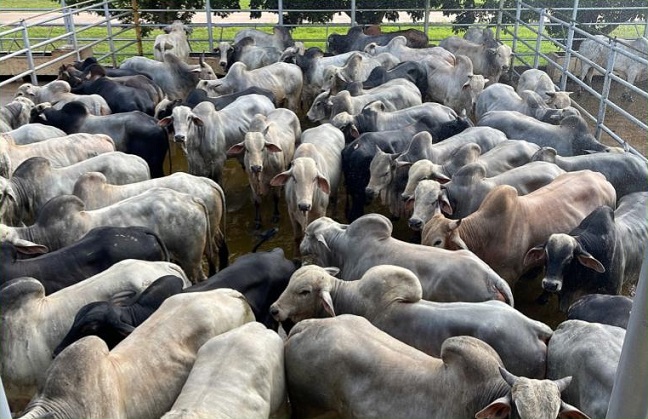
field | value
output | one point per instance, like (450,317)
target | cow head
(443,232)
(316,238)
(425,200)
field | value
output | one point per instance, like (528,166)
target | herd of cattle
(118,299)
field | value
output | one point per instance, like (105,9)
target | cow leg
(275,214)
(257,215)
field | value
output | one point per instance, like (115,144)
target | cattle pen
(34,43)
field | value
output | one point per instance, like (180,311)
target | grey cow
(367,242)
(362,372)
(489,62)
(32,133)
(36,181)
(180,220)
(589,352)
(390,298)
(143,375)
(540,82)
(239,373)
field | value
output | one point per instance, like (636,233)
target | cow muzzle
(222,63)
(276,314)
(415,224)
(304,207)
(179,138)
(552,284)
(370,193)
(256,168)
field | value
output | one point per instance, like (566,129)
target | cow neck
(56,407)
(471,233)
(25,200)
(346,298)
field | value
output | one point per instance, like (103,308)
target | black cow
(133,132)
(113,322)
(111,72)
(602,308)
(196,96)
(119,97)
(260,277)
(409,70)
(93,253)
(356,39)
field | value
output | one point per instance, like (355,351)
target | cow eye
(304,292)
(436,243)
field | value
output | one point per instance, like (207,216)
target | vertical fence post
(66,20)
(500,15)
(426,22)
(605,91)
(628,398)
(353,13)
(536,56)
(72,31)
(568,52)
(30,57)
(280,12)
(111,42)
(210,34)
(138,28)
(518,14)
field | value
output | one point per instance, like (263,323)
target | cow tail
(223,250)
(165,251)
(504,289)
(209,245)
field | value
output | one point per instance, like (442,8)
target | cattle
(489,62)
(165,107)
(174,41)
(390,298)
(175,77)
(32,133)
(97,191)
(280,37)
(313,178)
(395,95)
(357,156)
(626,172)
(113,322)
(388,172)
(14,115)
(61,151)
(502,97)
(33,324)
(260,276)
(284,80)
(94,71)
(356,69)
(554,208)
(602,308)
(64,219)
(239,373)
(596,50)
(247,52)
(356,40)
(425,202)
(540,82)
(373,117)
(59,93)
(118,96)
(397,46)
(482,36)
(206,134)
(410,70)
(36,181)
(589,353)
(110,71)
(367,242)
(364,354)
(454,85)
(132,132)
(87,380)
(268,149)
(93,253)
(570,138)
(599,256)
(467,189)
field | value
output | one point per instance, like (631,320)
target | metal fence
(530,42)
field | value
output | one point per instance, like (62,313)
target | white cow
(34,324)
(489,62)
(540,82)
(174,41)
(268,149)
(58,93)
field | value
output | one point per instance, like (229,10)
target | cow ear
(332,270)
(197,120)
(327,302)
(498,409)
(272,147)
(589,261)
(323,183)
(166,121)
(354,132)
(32,249)
(236,149)
(567,411)
(535,255)
(444,202)
(280,179)
(440,177)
